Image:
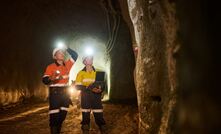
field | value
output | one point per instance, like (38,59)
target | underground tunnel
(160,58)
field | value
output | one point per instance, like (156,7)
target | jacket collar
(57,64)
(84,69)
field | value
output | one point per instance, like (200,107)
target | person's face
(88,61)
(59,55)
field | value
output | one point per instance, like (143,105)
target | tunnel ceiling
(53,18)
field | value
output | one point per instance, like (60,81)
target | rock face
(122,66)
(175,71)
(29,30)
(122,60)
(155,34)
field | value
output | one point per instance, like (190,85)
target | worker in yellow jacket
(90,96)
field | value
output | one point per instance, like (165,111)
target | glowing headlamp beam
(89,51)
(60,44)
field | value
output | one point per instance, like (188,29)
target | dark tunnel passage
(31,30)
(161,57)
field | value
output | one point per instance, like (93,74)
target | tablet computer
(100,76)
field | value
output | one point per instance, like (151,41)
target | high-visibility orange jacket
(61,71)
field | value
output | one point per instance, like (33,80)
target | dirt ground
(33,119)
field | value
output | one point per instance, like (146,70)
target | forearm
(80,87)
(73,54)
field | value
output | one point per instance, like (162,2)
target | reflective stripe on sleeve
(54,111)
(86,110)
(88,80)
(64,108)
(97,110)
(46,76)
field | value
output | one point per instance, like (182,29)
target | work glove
(95,87)
(97,90)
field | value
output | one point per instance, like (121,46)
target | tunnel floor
(33,119)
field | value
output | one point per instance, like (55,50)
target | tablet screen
(100,76)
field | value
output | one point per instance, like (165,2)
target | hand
(59,77)
(55,77)
(97,90)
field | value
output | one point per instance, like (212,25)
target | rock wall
(177,66)
(198,65)
(122,67)
(155,33)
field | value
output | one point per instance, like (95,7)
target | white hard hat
(55,50)
(84,57)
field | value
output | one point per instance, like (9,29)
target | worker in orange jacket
(56,77)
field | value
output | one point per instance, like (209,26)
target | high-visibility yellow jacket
(85,78)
